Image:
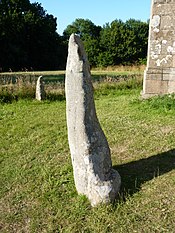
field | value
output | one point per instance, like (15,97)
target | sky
(99,12)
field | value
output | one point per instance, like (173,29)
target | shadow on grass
(136,173)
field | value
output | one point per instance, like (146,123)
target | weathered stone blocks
(90,153)
(159,77)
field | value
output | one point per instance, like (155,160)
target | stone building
(159,76)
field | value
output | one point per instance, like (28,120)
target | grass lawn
(37,192)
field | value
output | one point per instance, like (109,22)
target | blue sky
(98,11)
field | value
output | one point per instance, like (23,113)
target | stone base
(103,191)
(146,96)
(158,82)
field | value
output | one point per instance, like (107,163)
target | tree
(10,28)
(137,40)
(112,43)
(84,28)
(28,37)
(90,35)
(123,43)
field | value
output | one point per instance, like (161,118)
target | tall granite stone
(40,92)
(159,76)
(90,153)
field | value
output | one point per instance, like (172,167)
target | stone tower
(159,76)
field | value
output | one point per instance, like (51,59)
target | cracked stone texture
(40,93)
(90,153)
(159,76)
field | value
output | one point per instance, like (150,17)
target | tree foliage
(28,37)
(89,33)
(116,43)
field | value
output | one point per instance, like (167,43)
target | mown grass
(37,192)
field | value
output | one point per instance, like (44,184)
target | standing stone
(90,153)
(159,76)
(40,93)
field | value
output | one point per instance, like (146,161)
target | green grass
(37,192)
